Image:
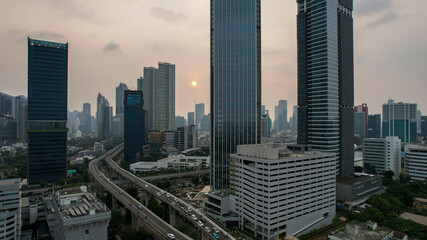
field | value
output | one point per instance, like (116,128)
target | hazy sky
(110,41)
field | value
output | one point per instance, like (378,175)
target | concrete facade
(416,161)
(355,190)
(10,209)
(383,154)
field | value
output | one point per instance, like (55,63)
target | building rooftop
(10,181)
(276,151)
(361,231)
(357,178)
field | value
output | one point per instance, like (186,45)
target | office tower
(235,82)
(7,130)
(400,119)
(6,104)
(21,107)
(363,109)
(265,133)
(10,209)
(186,138)
(382,154)
(118,126)
(139,83)
(326,79)
(47,110)
(206,123)
(159,96)
(86,119)
(120,97)
(416,161)
(180,121)
(281,116)
(296,187)
(424,126)
(374,126)
(103,118)
(190,118)
(359,127)
(419,121)
(200,112)
(134,125)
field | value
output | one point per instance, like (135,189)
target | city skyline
(110,59)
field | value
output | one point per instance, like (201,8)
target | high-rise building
(359,127)
(47,110)
(382,154)
(206,123)
(281,116)
(7,130)
(103,118)
(295,186)
(419,121)
(363,109)
(186,138)
(10,209)
(21,108)
(6,104)
(326,79)
(400,119)
(139,83)
(200,112)
(424,126)
(374,126)
(158,87)
(86,119)
(120,97)
(235,82)
(190,118)
(416,161)
(294,122)
(180,121)
(118,126)
(134,125)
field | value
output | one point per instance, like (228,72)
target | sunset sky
(110,41)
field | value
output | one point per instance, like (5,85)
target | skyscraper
(21,108)
(235,82)
(158,87)
(47,110)
(180,121)
(363,109)
(326,78)
(120,97)
(134,125)
(190,118)
(200,112)
(374,126)
(103,118)
(400,119)
(86,119)
(281,115)
(359,127)
(139,83)
(294,123)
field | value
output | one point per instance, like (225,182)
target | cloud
(111,46)
(367,7)
(21,35)
(167,15)
(386,18)
(70,8)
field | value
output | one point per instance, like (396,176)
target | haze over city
(111,41)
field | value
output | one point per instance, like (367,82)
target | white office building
(10,209)
(416,161)
(383,154)
(280,190)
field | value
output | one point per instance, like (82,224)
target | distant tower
(120,97)
(134,125)
(200,112)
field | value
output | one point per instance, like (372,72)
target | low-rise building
(362,231)
(416,161)
(383,154)
(98,147)
(10,209)
(32,209)
(143,166)
(75,213)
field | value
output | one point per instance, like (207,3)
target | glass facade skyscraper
(235,81)
(134,125)
(47,110)
(326,78)
(400,119)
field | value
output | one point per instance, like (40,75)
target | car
(158,194)
(146,185)
(176,200)
(189,209)
(194,217)
(208,229)
(121,192)
(200,223)
(139,207)
(170,236)
(215,230)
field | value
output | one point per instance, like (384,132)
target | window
(87,231)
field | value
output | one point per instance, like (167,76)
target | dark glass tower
(47,110)
(326,78)
(235,81)
(134,125)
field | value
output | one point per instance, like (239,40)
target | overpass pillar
(115,203)
(135,222)
(172,215)
(205,236)
(144,197)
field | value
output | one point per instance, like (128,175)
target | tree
(358,169)
(133,192)
(195,180)
(43,183)
(389,174)
(205,179)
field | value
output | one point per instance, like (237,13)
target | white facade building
(416,161)
(280,190)
(10,209)
(383,154)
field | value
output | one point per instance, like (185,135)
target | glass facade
(47,110)
(235,81)
(400,119)
(325,78)
(134,125)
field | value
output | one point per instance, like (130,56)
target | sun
(193,83)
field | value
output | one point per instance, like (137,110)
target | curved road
(155,224)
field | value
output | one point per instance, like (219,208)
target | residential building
(7,130)
(374,126)
(382,154)
(416,161)
(235,37)
(190,119)
(200,112)
(159,96)
(103,118)
(359,127)
(10,209)
(120,94)
(400,119)
(326,84)
(295,185)
(134,125)
(180,121)
(186,138)
(47,111)
(281,116)
(75,213)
